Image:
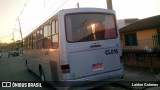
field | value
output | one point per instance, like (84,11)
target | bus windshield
(90,27)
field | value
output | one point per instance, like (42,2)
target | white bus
(75,45)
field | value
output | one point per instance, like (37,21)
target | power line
(7,34)
(1,34)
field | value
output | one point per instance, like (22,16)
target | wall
(144,39)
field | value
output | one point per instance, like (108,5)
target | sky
(11,9)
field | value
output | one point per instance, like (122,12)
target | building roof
(147,23)
(131,20)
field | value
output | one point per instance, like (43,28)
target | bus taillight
(65,68)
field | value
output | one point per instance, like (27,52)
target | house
(141,43)
(141,34)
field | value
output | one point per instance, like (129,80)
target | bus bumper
(95,80)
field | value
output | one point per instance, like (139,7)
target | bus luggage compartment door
(94,61)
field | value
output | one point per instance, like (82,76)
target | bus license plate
(97,66)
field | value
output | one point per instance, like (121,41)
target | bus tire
(42,76)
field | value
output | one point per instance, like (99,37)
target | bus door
(92,42)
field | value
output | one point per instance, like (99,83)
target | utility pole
(13,42)
(109,4)
(20,30)
(78,4)
(13,37)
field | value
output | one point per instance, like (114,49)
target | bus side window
(25,44)
(47,37)
(34,40)
(53,28)
(39,39)
(55,41)
(55,34)
(30,42)
(56,24)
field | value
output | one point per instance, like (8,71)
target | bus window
(34,40)
(55,34)
(30,42)
(34,37)
(55,41)
(47,42)
(37,36)
(49,30)
(53,27)
(46,31)
(41,34)
(39,44)
(90,27)
(56,24)
(47,37)
(25,44)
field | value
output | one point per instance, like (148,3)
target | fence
(145,54)
(156,41)
(141,59)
